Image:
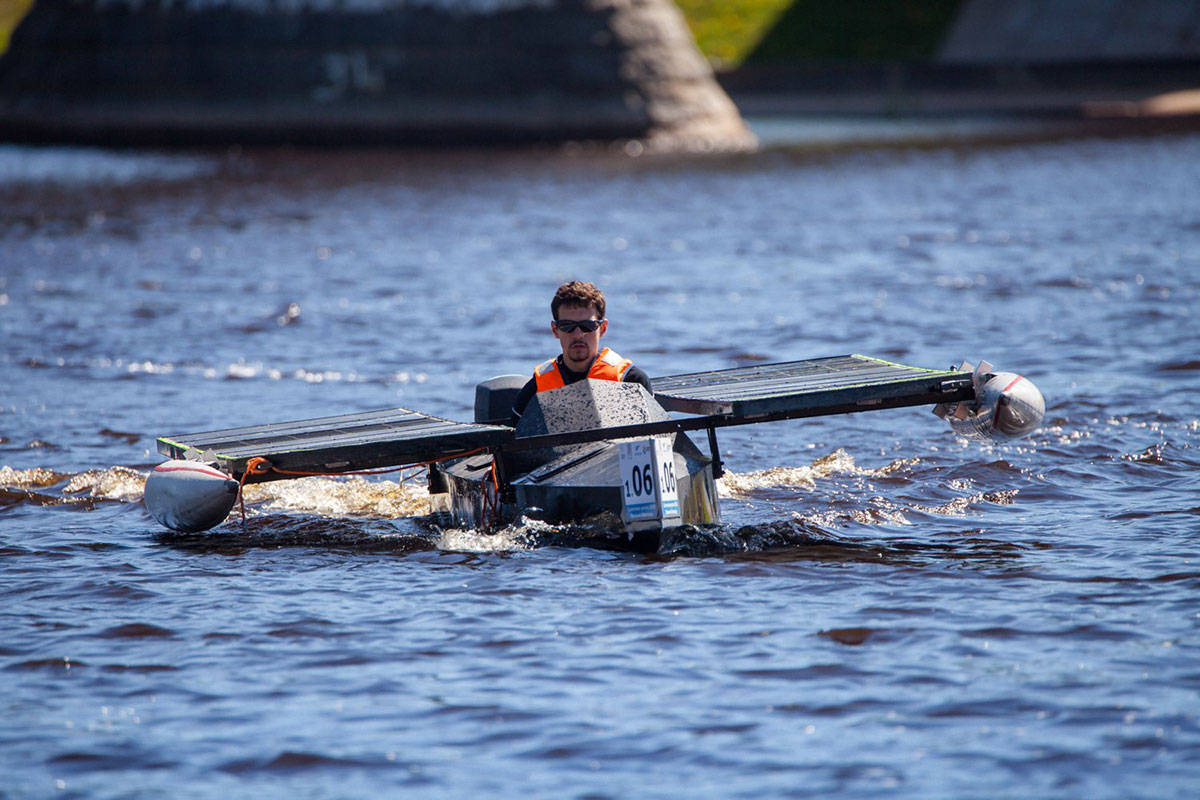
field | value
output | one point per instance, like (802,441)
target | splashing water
(340,497)
(120,484)
(839,462)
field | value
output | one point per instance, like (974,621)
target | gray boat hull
(576,483)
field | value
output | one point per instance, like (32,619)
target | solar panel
(805,386)
(391,437)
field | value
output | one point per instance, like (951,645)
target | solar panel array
(799,386)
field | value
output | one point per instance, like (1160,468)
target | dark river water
(887,611)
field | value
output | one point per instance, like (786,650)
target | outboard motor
(1006,406)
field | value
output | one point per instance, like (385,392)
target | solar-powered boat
(591,450)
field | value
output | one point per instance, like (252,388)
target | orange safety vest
(608,366)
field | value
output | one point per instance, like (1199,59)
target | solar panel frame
(796,386)
(720,398)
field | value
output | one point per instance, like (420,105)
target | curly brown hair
(578,293)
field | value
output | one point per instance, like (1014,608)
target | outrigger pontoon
(588,449)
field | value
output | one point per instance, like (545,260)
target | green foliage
(11,13)
(727,30)
(757,31)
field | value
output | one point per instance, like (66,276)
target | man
(578,323)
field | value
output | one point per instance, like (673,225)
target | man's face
(579,348)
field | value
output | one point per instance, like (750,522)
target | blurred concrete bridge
(363,71)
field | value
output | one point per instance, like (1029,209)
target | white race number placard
(668,485)
(648,481)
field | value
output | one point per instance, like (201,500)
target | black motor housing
(494,397)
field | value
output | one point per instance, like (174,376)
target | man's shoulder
(636,374)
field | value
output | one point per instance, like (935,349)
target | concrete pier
(438,72)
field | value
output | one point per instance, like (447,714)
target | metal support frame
(947,391)
(742,396)
(718,466)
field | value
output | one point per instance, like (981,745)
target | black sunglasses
(586,325)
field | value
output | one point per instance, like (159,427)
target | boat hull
(578,488)
(570,484)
